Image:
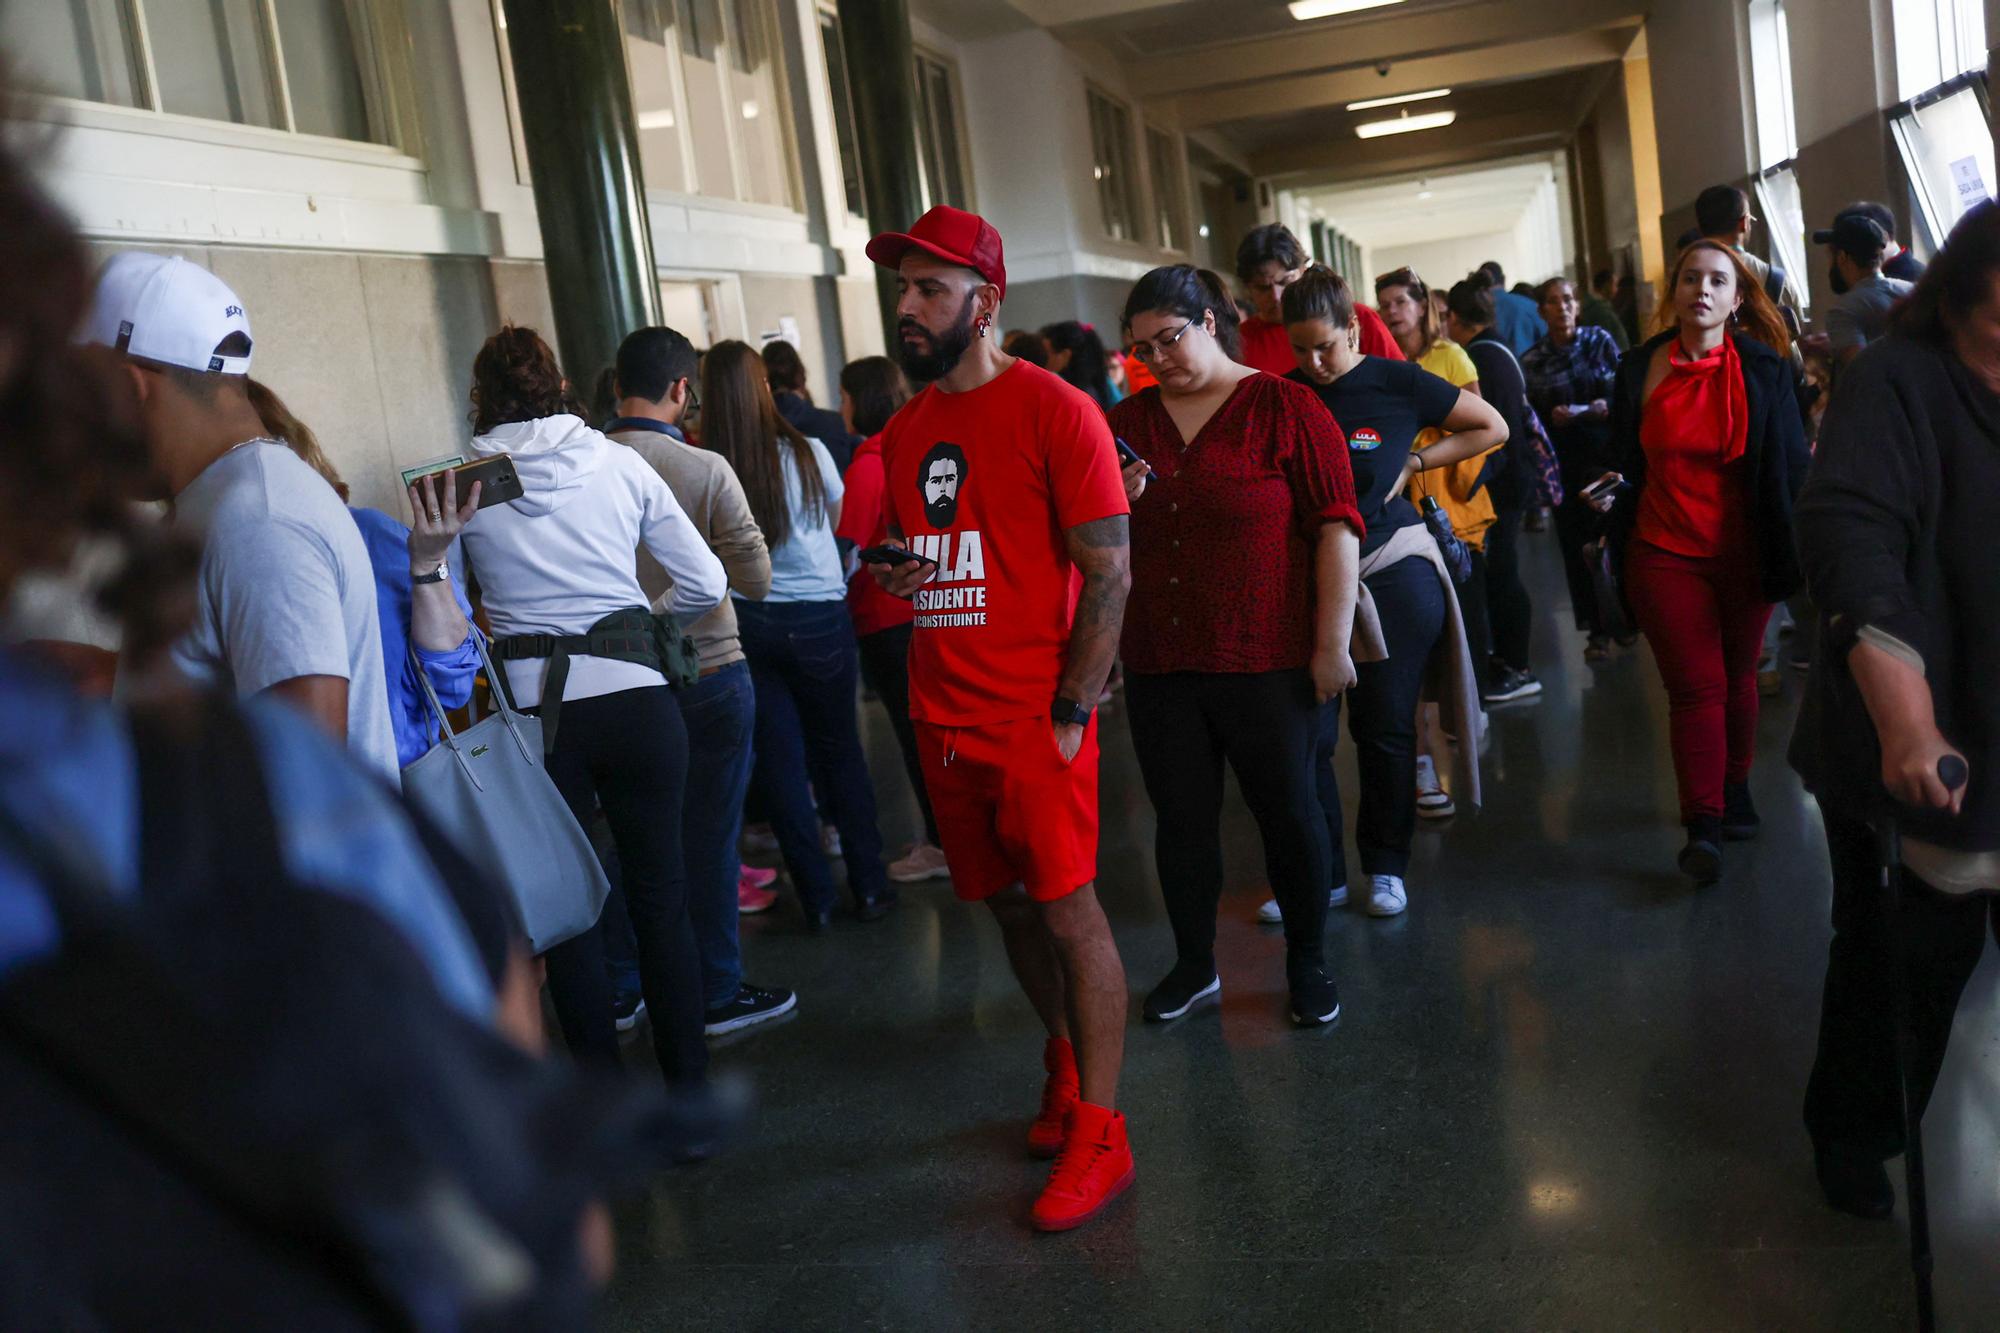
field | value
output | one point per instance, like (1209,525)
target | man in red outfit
(1269,260)
(1004,484)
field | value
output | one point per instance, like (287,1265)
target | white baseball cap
(162,308)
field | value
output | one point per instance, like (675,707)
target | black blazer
(1775,449)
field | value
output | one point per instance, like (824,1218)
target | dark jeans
(1577,525)
(628,753)
(1382,718)
(885,669)
(1509,613)
(808,738)
(720,712)
(1853,1102)
(1184,725)
(1472,609)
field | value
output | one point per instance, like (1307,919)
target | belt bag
(486,788)
(631,635)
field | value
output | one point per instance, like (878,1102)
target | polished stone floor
(1563,1094)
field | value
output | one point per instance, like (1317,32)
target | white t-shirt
(285,590)
(807,567)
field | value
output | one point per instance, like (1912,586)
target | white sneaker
(829,840)
(921,862)
(1272,915)
(1433,801)
(1386,896)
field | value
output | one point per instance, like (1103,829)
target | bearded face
(929,354)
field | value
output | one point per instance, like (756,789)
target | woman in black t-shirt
(1381,406)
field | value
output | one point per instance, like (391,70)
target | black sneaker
(1185,987)
(627,1010)
(1315,999)
(1701,859)
(752,1005)
(1739,815)
(1511,684)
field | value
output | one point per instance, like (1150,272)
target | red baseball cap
(950,234)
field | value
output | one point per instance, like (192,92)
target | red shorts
(1009,810)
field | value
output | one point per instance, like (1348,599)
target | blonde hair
(282,425)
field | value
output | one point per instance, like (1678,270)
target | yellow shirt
(1471,511)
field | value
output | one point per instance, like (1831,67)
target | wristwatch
(438,575)
(1068,712)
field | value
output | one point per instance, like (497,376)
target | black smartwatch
(1068,712)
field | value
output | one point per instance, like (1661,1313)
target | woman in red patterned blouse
(1244,551)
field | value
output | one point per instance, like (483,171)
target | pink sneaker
(757,877)
(751,900)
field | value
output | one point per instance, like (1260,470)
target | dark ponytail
(1189,292)
(1320,293)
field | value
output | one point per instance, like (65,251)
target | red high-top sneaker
(1095,1168)
(1059,1093)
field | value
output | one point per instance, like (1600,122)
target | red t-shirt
(1222,544)
(1696,500)
(1266,347)
(864,522)
(986,483)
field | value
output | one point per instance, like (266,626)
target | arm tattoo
(1100,549)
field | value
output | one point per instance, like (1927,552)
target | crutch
(1889,849)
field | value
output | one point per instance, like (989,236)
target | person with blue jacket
(419,587)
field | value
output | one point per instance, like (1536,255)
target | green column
(881,71)
(583,152)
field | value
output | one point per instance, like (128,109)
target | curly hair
(515,378)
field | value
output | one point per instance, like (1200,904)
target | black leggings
(1853,1101)
(1577,525)
(1509,612)
(1184,725)
(885,669)
(627,752)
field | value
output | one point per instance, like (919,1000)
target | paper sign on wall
(1970,184)
(787,331)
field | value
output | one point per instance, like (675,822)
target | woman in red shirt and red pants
(1245,551)
(1709,442)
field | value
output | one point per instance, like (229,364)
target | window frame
(1930,227)
(1941,12)
(1788,244)
(1122,183)
(1172,230)
(1778,77)
(388,93)
(846,125)
(957,141)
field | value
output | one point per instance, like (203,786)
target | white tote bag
(485,786)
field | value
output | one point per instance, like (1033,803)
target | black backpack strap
(627,635)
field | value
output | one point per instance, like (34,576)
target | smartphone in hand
(890,555)
(1128,456)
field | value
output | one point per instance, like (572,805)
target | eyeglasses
(1154,350)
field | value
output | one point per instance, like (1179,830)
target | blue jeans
(721,715)
(804,662)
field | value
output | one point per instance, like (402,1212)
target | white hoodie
(560,558)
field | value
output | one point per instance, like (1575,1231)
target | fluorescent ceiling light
(1374,102)
(1303,10)
(1405,124)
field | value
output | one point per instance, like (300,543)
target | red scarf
(1707,393)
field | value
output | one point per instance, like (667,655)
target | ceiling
(1271,92)
(1394,211)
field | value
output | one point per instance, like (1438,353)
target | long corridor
(1564,1092)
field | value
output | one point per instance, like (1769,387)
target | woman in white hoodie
(555,563)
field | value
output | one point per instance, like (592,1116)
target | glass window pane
(1169,192)
(843,112)
(1785,221)
(757,111)
(652,58)
(71,48)
(1948,151)
(1111,143)
(1771,64)
(937,135)
(209,56)
(323,69)
(699,24)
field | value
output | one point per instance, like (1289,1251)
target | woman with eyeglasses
(1244,544)
(1413,628)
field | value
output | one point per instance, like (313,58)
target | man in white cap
(285,602)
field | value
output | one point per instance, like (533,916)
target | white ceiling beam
(1514,60)
(1393,37)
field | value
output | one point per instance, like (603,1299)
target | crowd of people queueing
(1267,518)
